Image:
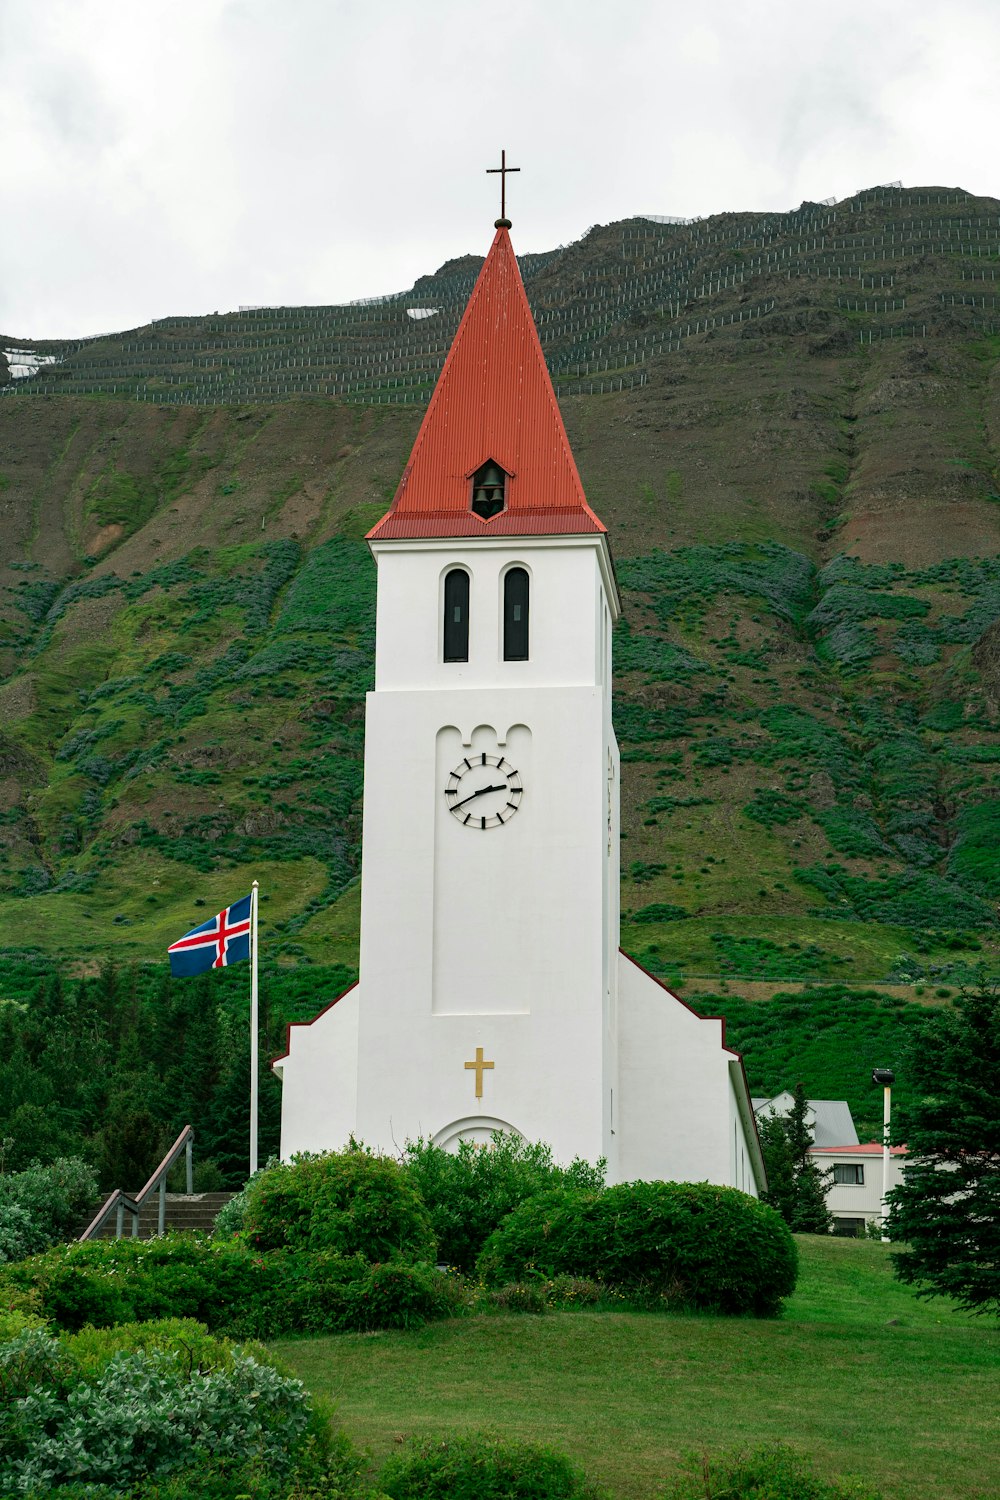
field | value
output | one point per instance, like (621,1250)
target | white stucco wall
(683,1115)
(319,1079)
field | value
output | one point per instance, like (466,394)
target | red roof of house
(493,400)
(869,1148)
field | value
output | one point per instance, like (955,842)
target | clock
(483,791)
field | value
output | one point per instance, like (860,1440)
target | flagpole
(254,1066)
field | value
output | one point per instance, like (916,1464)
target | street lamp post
(886,1077)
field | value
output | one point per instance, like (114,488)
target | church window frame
(515,613)
(456,591)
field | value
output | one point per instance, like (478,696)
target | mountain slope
(806,529)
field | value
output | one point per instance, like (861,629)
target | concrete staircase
(197,1211)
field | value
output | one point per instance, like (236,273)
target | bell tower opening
(489,490)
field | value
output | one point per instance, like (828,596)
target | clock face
(483,791)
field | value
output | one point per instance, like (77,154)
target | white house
(492,992)
(854,1196)
(854,1193)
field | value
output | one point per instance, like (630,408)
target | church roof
(493,402)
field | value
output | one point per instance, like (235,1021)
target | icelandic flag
(215,944)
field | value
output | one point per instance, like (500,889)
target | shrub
(470,1191)
(143,1416)
(520,1297)
(21,1233)
(226,1285)
(43,1204)
(317,1475)
(33,1357)
(481,1466)
(20,1300)
(537,1296)
(552,1234)
(660,911)
(680,1244)
(575,1291)
(229,1219)
(773,1470)
(72,1297)
(395,1295)
(184,1340)
(162,1410)
(14,1322)
(353,1202)
(118,1281)
(315,1292)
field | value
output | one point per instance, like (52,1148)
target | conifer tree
(795,1185)
(947,1208)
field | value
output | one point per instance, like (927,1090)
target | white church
(493,994)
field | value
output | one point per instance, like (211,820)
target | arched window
(456,615)
(515,615)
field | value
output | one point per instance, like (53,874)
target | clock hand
(481,792)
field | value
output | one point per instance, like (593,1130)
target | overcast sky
(178,156)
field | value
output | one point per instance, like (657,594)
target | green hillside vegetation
(805,521)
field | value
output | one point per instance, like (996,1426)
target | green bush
(678,1244)
(575,1291)
(552,1234)
(43,1204)
(470,1191)
(72,1297)
(481,1466)
(104,1282)
(229,1220)
(141,1414)
(228,1286)
(771,1472)
(15,1322)
(185,1340)
(395,1295)
(20,1232)
(660,911)
(537,1296)
(353,1202)
(520,1297)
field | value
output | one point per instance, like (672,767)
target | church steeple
(493,424)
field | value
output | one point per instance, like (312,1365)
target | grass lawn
(858,1374)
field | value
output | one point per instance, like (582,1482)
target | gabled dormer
(489,490)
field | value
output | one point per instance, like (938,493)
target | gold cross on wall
(480,1068)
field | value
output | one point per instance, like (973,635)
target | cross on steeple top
(503,222)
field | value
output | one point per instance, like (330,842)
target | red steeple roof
(493,401)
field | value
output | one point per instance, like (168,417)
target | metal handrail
(121,1203)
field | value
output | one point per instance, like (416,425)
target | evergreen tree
(131,1145)
(947,1208)
(225,1134)
(795,1185)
